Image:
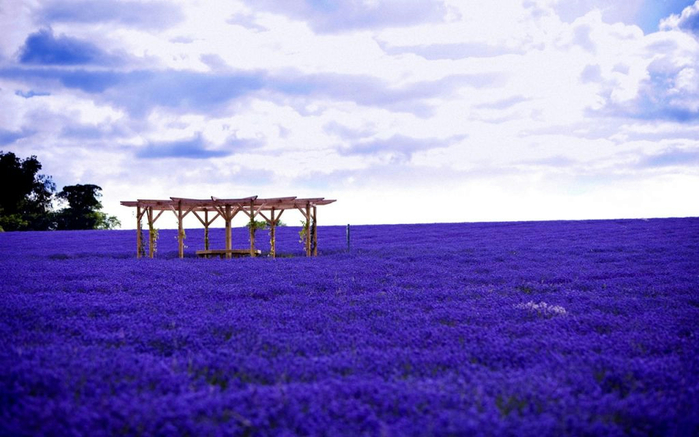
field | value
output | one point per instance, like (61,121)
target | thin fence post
(348,237)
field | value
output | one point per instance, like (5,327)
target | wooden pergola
(208,210)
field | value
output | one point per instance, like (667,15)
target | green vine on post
(302,232)
(277,223)
(256,225)
(183,235)
(154,235)
(142,245)
(313,232)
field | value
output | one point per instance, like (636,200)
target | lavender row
(542,328)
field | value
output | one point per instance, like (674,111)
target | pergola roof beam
(203,204)
(232,201)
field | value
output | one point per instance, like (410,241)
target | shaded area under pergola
(208,210)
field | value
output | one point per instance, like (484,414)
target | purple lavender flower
(545,328)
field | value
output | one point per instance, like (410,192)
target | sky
(405,111)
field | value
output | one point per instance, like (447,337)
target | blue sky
(404,111)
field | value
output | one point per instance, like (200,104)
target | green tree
(83,211)
(25,196)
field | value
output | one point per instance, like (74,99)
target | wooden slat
(220,211)
(203,223)
(159,214)
(300,208)
(158,205)
(228,253)
(186,201)
(274,200)
(299,203)
(266,204)
(232,201)
(217,215)
(225,251)
(265,217)
(155,202)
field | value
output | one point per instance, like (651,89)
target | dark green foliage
(26,200)
(25,196)
(82,197)
(83,211)
(257,225)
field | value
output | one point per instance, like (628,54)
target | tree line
(28,200)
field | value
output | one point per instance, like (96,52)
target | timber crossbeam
(221,253)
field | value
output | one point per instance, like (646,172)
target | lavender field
(540,328)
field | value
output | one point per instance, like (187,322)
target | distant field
(541,328)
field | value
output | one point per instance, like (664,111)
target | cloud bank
(539,110)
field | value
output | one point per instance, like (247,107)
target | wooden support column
(180,214)
(308,228)
(151,232)
(252,228)
(229,239)
(252,240)
(273,237)
(272,229)
(180,231)
(314,232)
(206,223)
(206,229)
(139,233)
(227,213)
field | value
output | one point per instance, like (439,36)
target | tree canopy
(26,196)
(83,211)
(27,199)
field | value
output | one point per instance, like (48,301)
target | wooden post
(273,229)
(272,237)
(252,228)
(180,231)
(314,233)
(206,229)
(252,239)
(151,232)
(139,232)
(308,228)
(229,240)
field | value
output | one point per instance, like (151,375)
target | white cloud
(688,20)
(531,111)
(15,19)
